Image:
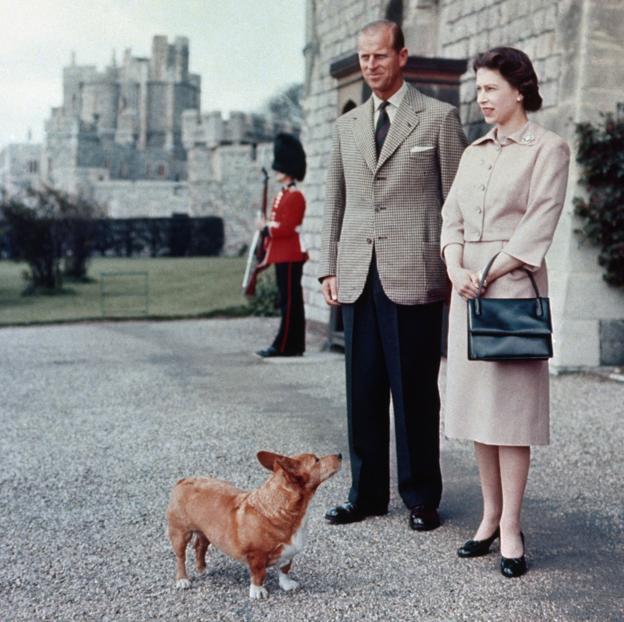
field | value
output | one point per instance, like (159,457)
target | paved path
(97,421)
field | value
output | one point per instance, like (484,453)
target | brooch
(528,139)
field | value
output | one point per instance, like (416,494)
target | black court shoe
(514,566)
(477,548)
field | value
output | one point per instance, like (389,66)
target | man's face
(380,63)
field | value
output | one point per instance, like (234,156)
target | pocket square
(419,148)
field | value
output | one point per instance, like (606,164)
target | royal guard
(283,246)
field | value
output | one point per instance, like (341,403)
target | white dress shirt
(394,103)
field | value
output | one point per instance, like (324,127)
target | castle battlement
(210,129)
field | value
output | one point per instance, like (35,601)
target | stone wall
(19,166)
(141,199)
(227,181)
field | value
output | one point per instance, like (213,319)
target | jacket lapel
(405,120)
(364,135)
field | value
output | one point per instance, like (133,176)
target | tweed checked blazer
(391,204)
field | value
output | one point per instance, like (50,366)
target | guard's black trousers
(392,348)
(290,338)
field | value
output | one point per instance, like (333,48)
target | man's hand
(466,283)
(330,291)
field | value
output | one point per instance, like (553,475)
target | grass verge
(176,288)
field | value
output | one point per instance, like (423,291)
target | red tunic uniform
(283,243)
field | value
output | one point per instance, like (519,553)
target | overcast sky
(244,50)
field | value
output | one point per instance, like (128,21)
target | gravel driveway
(97,421)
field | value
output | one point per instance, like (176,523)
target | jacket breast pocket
(422,156)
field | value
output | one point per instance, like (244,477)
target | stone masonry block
(552,68)
(551,15)
(576,344)
(550,93)
(546,44)
(493,17)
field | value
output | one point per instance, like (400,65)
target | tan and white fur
(264,527)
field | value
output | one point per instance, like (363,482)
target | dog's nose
(339,456)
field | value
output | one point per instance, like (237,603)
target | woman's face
(500,102)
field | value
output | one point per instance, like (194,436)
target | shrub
(35,238)
(78,230)
(266,300)
(601,156)
(46,226)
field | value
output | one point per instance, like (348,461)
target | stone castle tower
(124,122)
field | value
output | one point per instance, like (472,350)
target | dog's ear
(290,467)
(267,459)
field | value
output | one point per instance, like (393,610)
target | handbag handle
(484,274)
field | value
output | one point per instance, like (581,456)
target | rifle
(257,249)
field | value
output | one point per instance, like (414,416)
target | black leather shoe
(424,519)
(272,352)
(477,548)
(514,566)
(349,513)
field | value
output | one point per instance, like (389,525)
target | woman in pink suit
(506,198)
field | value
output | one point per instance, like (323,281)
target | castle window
(33,166)
(161,171)
(254,151)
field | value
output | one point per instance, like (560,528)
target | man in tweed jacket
(391,167)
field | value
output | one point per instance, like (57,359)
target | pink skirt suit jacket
(507,196)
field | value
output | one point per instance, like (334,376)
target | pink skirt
(495,403)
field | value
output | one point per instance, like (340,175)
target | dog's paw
(286,583)
(183,584)
(257,592)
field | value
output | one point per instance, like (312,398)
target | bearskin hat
(288,156)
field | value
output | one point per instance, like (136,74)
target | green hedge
(601,156)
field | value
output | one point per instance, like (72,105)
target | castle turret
(236,126)
(160,57)
(181,59)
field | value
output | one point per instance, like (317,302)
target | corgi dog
(264,527)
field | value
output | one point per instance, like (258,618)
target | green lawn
(184,287)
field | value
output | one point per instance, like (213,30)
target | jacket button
(369,241)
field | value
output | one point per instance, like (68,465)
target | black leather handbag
(509,329)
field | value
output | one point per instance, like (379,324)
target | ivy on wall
(601,156)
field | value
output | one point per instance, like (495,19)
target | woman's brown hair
(516,67)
